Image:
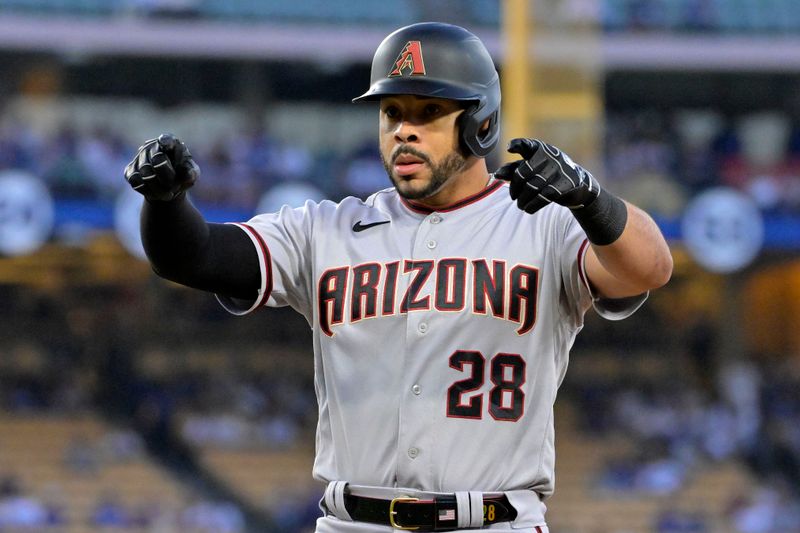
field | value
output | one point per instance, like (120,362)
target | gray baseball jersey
(440,337)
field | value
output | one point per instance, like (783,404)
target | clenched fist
(162,169)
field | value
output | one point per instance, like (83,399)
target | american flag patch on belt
(449,514)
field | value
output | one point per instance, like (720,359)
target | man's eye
(391,112)
(433,109)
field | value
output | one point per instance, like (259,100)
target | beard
(441,172)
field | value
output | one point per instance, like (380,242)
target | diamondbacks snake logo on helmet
(410,58)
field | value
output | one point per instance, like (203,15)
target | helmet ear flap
(465,121)
(475,138)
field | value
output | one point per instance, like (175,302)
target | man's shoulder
(351,207)
(382,197)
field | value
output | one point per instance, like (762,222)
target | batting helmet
(443,61)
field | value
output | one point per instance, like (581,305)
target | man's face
(419,144)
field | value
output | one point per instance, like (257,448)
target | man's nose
(406,132)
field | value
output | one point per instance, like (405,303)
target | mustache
(410,150)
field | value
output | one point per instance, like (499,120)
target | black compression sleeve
(184,248)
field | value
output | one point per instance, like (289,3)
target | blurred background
(130,404)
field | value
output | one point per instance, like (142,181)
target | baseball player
(443,308)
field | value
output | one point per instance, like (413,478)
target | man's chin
(419,186)
(411,187)
(410,192)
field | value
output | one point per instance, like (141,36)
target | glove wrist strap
(604,219)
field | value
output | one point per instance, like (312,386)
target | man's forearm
(638,261)
(174,235)
(184,248)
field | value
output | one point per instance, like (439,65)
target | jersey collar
(469,200)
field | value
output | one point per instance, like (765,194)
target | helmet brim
(419,87)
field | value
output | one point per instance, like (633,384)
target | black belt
(438,514)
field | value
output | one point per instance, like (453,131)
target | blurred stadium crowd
(659,159)
(682,424)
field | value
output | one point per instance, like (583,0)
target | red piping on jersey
(267,265)
(581,273)
(419,208)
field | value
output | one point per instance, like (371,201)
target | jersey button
(423,327)
(431,245)
(416,389)
(435,219)
(413,452)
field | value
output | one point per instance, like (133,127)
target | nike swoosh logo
(358,226)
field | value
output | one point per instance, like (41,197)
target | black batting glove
(163,169)
(546,175)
